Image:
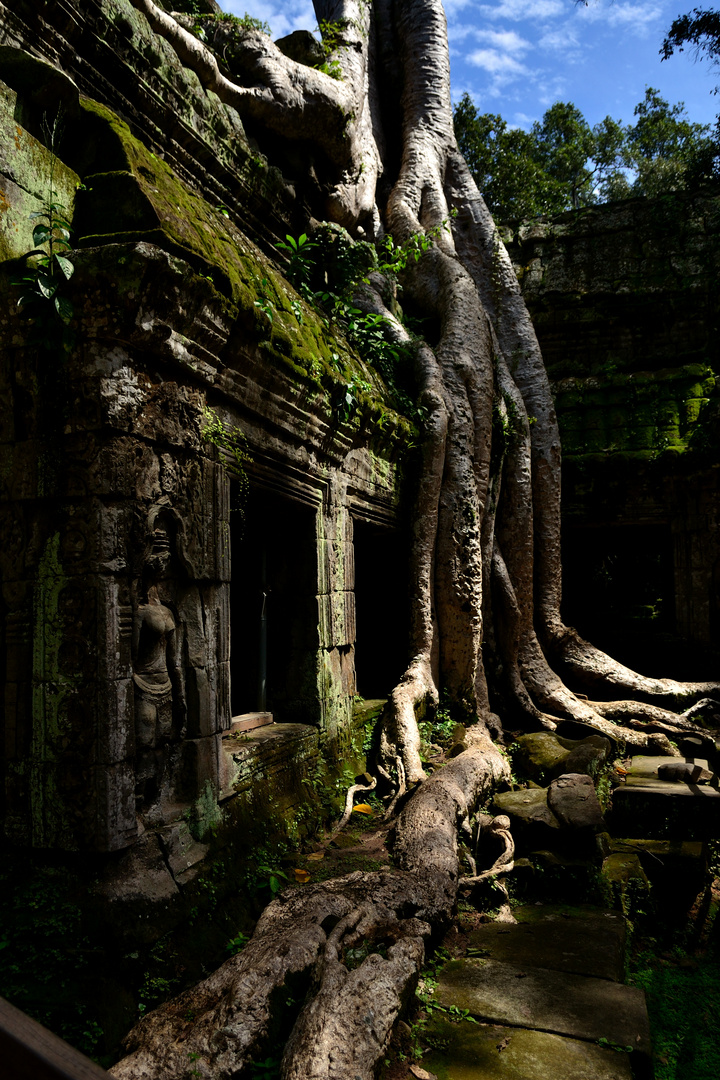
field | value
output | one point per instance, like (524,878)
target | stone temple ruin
(203,494)
(122,674)
(205,491)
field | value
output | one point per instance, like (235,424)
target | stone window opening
(273,624)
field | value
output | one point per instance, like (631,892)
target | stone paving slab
(470,1052)
(583,941)
(647,808)
(563,1004)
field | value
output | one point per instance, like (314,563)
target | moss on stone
(141,198)
(25,180)
(642,413)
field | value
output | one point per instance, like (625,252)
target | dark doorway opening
(619,592)
(273,609)
(381,608)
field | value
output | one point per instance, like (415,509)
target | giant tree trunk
(486,569)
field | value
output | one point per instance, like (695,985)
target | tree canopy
(562,163)
(699,29)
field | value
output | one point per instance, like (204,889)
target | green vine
(327,270)
(332,34)
(234,449)
(48,266)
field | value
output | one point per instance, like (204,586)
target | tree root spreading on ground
(486,570)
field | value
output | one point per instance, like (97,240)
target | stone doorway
(381,607)
(273,609)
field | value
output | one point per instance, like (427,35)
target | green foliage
(160,977)
(246,22)
(269,1069)
(503,164)
(235,454)
(563,143)
(46,958)
(667,151)
(327,271)
(683,996)
(609,1045)
(271,878)
(331,33)
(49,268)
(562,163)
(301,261)
(699,29)
(239,23)
(438,729)
(237,944)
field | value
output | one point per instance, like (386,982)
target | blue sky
(516,57)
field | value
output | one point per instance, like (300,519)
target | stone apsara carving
(157,674)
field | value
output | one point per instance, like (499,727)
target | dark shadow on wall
(272,596)
(381,606)
(619,593)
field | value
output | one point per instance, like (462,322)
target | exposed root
(401,788)
(499,829)
(338,1034)
(352,791)
(485,563)
(305,939)
(597,671)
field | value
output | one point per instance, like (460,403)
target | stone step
(579,940)
(577,1006)
(675,871)
(647,807)
(465,1051)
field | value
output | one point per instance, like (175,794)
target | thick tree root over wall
(304,943)
(485,593)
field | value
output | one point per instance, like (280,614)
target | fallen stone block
(683,772)
(532,823)
(626,881)
(574,802)
(543,755)
(647,807)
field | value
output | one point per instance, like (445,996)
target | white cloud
(495,62)
(521,10)
(284,16)
(453,6)
(459,31)
(550,90)
(637,17)
(521,120)
(502,58)
(504,40)
(564,40)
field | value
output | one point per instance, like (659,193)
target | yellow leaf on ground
(315,856)
(362,808)
(302,876)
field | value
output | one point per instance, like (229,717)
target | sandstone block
(573,800)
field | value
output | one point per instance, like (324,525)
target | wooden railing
(28,1051)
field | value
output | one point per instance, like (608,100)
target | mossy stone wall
(625,303)
(175,309)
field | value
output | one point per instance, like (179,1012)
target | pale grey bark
(485,555)
(301,944)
